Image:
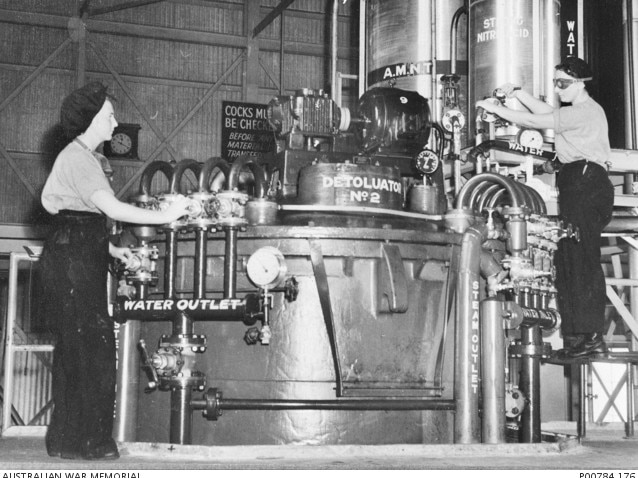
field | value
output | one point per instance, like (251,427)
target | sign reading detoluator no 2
(245,130)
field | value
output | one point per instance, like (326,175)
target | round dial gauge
(427,161)
(121,143)
(266,267)
(530,138)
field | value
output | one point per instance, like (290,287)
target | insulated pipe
(515,194)
(493,353)
(149,173)
(259,174)
(170,261)
(205,175)
(179,170)
(467,427)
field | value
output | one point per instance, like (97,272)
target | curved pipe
(205,174)
(462,198)
(485,199)
(261,179)
(480,191)
(493,200)
(179,170)
(529,199)
(453,35)
(149,173)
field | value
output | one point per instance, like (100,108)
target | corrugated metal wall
(169,55)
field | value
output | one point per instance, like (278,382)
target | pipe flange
(186,379)
(196,343)
(511,212)
(530,350)
(213,410)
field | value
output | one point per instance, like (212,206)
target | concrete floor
(605,448)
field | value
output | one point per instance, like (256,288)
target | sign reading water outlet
(245,130)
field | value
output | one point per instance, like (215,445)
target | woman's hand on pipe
(123,254)
(178,208)
(509,89)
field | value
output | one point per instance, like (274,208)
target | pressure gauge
(530,138)
(266,267)
(427,162)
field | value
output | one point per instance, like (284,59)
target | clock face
(266,267)
(121,143)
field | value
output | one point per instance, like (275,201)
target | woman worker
(74,271)
(586,198)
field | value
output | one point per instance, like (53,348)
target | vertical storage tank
(409,45)
(513,41)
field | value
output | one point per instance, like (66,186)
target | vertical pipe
(282,70)
(467,341)
(582,398)
(629,432)
(334,46)
(363,41)
(181,416)
(532,340)
(170,261)
(493,371)
(9,358)
(200,263)
(230,263)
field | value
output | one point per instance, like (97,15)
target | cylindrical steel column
(128,365)
(531,344)
(493,371)
(181,416)
(467,427)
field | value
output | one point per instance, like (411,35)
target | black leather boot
(104,451)
(593,345)
(571,343)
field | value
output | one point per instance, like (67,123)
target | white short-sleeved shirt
(75,176)
(581,133)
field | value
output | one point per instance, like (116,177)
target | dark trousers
(74,270)
(586,198)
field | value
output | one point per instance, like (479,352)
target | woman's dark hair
(575,67)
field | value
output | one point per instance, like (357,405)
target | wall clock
(123,143)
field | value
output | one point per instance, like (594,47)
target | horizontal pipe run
(366,405)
